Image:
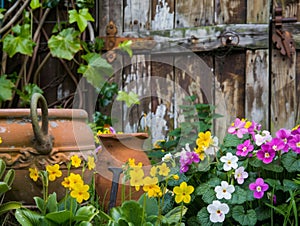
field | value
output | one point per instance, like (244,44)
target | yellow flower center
(267,155)
(258,188)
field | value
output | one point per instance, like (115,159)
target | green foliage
(19,42)
(6,87)
(34,4)
(85,3)
(81,18)
(6,179)
(126,47)
(65,44)
(97,70)
(66,212)
(130,98)
(27,92)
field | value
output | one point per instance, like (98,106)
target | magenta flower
(259,187)
(238,128)
(254,128)
(284,135)
(244,148)
(276,144)
(296,131)
(294,143)
(266,154)
(186,159)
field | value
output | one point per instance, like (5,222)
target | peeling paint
(163,18)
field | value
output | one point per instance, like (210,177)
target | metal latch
(283,39)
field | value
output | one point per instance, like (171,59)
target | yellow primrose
(34,174)
(80,192)
(247,124)
(153,171)
(151,187)
(66,182)
(136,171)
(296,127)
(53,172)
(131,162)
(75,179)
(91,163)
(204,139)
(164,170)
(200,151)
(136,181)
(183,193)
(76,161)
(0,140)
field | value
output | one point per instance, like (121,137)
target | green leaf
(129,98)
(262,213)
(5,207)
(3,187)
(9,177)
(273,167)
(273,183)
(97,70)
(150,204)
(65,45)
(34,4)
(291,161)
(52,203)
(231,140)
(239,196)
(289,185)
(202,188)
(244,218)
(2,163)
(209,196)
(40,204)
(27,217)
(80,18)
(203,217)
(59,217)
(86,213)
(129,207)
(126,47)
(19,42)
(174,215)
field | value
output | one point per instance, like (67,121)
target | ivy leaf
(20,42)
(97,70)
(6,87)
(248,218)
(129,98)
(80,18)
(65,45)
(34,4)
(126,47)
(291,161)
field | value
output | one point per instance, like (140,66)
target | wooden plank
(257,87)
(194,13)
(297,88)
(136,78)
(110,11)
(162,97)
(137,15)
(192,77)
(283,92)
(230,89)
(258,11)
(230,11)
(162,16)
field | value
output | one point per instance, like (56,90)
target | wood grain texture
(230,87)
(258,11)
(194,13)
(283,92)
(257,87)
(162,16)
(230,11)
(137,15)
(297,88)
(110,11)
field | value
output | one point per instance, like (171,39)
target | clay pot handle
(42,141)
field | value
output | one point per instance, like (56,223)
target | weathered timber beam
(207,38)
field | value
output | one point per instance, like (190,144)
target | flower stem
(181,211)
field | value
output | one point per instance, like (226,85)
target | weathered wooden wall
(250,79)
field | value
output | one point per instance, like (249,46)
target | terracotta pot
(116,150)
(63,133)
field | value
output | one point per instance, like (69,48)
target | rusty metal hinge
(283,39)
